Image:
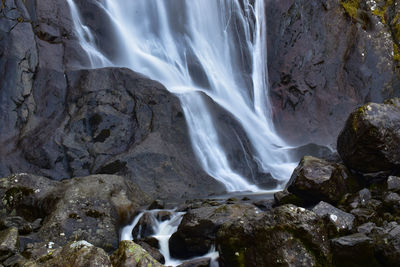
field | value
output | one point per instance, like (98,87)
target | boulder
(80,254)
(353,250)
(289,236)
(144,227)
(198,229)
(132,255)
(317,180)
(369,141)
(9,243)
(338,221)
(91,208)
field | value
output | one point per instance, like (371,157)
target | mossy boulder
(79,254)
(317,180)
(369,141)
(132,255)
(288,236)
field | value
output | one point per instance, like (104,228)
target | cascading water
(195,48)
(163,230)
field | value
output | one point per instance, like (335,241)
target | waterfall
(202,50)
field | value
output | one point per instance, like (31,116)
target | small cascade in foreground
(204,51)
(163,227)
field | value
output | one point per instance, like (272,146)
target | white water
(163,231)
(196,47)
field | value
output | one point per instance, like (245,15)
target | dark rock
(131,254)
(156,205)
(154,252)
(20,223)
(289,236)
(338,221)
(353,250)
(314,180)
(144,227)
(284,197)
(104,126)
(89,208)
(152,241)
(202,262)
(364,196)
(393,183)
(16,260)
(369,140)
(323,62)
(163,215)
(8,243)
(197,231)
(387,243)
(366,228)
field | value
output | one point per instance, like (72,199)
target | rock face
(369,140)
(327,57)
(61,123)
(315,180)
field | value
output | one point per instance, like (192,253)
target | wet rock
(156,205)
(197,231)
(135,129)
(393,183)
(314,180)
(153,251)
(8,243)
(152,241)
(144,227)
(163,215)
(324,62)
(88,208)
(338,221)
(289,236)
(131,254)
(284,197)
(368,142)
(80,254)
(202,262)
(353,250)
